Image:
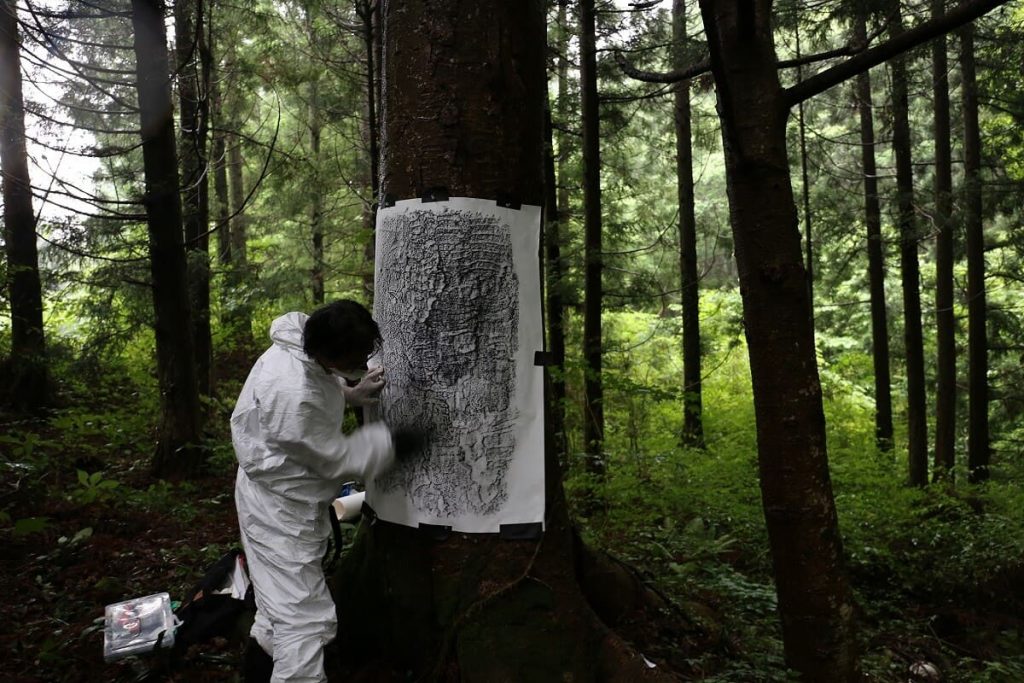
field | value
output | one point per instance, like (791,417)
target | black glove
(409,442)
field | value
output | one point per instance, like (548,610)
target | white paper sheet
(457,298)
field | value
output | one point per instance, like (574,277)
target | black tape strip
(508,201)
(387,200)
(530,531)
(543,358)
(435,194)
(436,532)
(368,513)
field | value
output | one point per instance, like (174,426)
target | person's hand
(367,391)
(409,442)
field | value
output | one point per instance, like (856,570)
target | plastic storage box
(138,625)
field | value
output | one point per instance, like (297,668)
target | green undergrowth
(938,572)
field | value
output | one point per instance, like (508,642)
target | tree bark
(192,66)
(977,337)
(815,601)
(876,258)
(917,425)
(805,184)
(693,426)
(178,452)
(316,208)
(945,394)
(463,109)
(27,385)
(593,416)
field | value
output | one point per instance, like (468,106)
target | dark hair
(340,329)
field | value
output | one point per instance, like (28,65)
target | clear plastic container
(138,625)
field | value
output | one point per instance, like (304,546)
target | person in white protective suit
(293,459)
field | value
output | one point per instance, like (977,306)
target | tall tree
(463,109)
(945,394)
(875,247)
(910,274)
(815,602)
(25,377)
(369,13)
(593,417)
(693,426)
(193,87)
(178,451)
(557,229)
(316,187)
(977,337)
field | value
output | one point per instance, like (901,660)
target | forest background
(114,486)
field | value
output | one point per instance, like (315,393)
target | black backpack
(206,614)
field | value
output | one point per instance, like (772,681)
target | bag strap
(335,552)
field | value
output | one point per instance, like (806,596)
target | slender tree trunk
(945,395)
(593,417)
(316,209)
(805,185)
(557,232)
(815,602)
(917,426)
(553,291)
(369,11)
(178,452)
(194,112)
(239,228)
(693,427)
(876,259)
(977,338)
(464,110)
(220,180)
(26,379)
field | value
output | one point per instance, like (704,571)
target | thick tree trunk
(464,110)
(815,602)
(194,112)
(25,379)
(917,424)
(945,394)
(977,337)
(876,258)
(689,277)
(593,409)
(178,452)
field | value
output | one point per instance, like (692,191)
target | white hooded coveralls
(293,459)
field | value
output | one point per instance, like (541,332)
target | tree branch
(964,13)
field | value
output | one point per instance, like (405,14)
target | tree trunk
(876,259)
(917,426)
(238,313)
(693,426)
(805,185)
(220,182)
(977,338)
(178,452)
(26,381)
(464,110)
(558,217)
(593,415)
(194,111)
(945,394)
(369,11)
(316,182)
(815,603)
(555,307)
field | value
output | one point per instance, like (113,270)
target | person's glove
(367,391)
(409,442)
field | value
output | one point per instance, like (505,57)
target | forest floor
(83,524)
